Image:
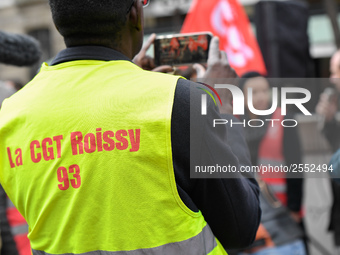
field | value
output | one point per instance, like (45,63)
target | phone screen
(182,49)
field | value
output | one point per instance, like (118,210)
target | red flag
(227,20)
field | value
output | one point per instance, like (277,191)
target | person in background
(328,104)
(16,84)
(19,228)
(7,241)
(14,228)
(18,50)
(327,107)
(8,245)
(281,195)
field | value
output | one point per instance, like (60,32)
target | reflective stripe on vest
(96,172)
(16,221)
(19,230)
(203,243)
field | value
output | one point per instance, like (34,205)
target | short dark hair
(245,77)
(89,22)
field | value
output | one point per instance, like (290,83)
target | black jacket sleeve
(293,155)
(229,205)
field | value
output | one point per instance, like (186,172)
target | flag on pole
(227,20)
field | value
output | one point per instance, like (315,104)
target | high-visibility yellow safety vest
(85,156)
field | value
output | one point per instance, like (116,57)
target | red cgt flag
(227,20)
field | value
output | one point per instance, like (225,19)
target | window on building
(43,35)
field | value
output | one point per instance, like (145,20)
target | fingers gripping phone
(182,49)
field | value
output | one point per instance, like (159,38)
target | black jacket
(331,131)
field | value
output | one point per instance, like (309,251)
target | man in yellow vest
(95,152)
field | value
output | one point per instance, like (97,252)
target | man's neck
(88,53)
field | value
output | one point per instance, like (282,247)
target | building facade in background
(162,16)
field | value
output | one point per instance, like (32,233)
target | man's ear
(135,15)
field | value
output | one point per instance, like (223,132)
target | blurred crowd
(282,229)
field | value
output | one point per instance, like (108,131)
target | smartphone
(182,49)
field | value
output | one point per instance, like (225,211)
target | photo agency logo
(239,105)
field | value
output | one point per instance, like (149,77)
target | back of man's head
(89,22)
